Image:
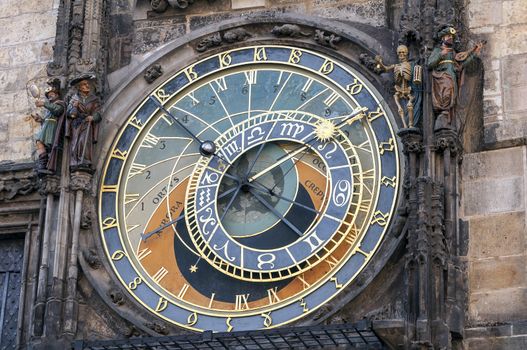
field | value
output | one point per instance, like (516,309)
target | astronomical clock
(248,188)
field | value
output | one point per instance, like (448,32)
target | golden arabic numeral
(133,285)
(375,114)
(191,75)
(336,281)
(327,67)
(162,304)
(135,122)
(118,255)
(192,319)
(260,54)
(355,87)
(295,56)
(268,321)
(380,218)
(225,60)
(304,306)
(162,95)
(228,323)
(117,153)
(388,181)
(108,223)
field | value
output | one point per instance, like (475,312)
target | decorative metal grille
(343,336)
(11,253)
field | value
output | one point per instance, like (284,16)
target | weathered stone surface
(371,12)
(489,14)
(493,164)
(509,343)
(498,306)
(505,130)
(514,98)
(497,235)
(496,331)
(150,34)
(30,27)
(241,4)
(493,196)
(497,273)
(514,12)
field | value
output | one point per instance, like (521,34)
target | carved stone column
(80,183)
(49,187)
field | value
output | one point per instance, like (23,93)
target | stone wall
(504,25)
(26,45)
(131,42)
(494,183)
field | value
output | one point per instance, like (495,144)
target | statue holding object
(48,139)
(408,77)
(84,115)
(446,65)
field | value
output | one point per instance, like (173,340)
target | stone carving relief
(327,39)
(153,72)
(289,30)
(216,39)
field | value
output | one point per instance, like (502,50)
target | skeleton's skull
(402,53)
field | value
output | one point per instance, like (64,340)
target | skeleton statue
(407,76)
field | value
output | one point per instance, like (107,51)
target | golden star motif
(193,268)
(324,130)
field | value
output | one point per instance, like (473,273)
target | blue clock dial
(249,189)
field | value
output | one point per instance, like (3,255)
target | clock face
(249,189)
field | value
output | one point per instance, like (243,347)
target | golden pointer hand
(349,119)
(278,163)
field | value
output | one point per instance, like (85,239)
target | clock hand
(238,188)
(267,190)
(278,162)
(254,161)
(275,212)
(206,148)
(146,235)
(355,115)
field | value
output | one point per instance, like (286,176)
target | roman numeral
(150,141)
(250,77)
(331,99)
(221,84)
(160,274)
(136,169)
(273,295)
(143,253)
(242,302)
(183,291)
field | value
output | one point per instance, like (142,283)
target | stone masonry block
(497,235)
(514,12)
(484,13)
(498,343)
(506,129)
(370,12)
(493,164)
(497,273)
(493,196)
(502,305)
(514,69)
(29,27)
(514,98)
(241,4)
(510,40)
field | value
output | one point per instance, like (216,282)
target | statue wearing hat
(84,115)
(48,138)
(446,64)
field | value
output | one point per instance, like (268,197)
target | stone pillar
(80,183)
(50,186)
